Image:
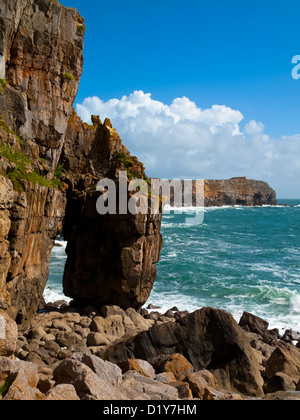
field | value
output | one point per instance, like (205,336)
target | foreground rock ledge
(62,357)
(211,339)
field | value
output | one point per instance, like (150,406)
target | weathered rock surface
(238,191)
(55,161)
(137,386)
(18,380)
(42,46)
(140,366)
(8,335)
(88,385)
(176,364)
(62,393)
(230,192)
(115,263)
(36,220)
(209,339)
(59,340)
(200,381)
(285,360)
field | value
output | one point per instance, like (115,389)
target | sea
(239,259)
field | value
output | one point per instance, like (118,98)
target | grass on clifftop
(24,171)
(134,168)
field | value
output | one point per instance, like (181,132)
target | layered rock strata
(238,191)
(231,192)
(41,50)
(111,259)
(50,164)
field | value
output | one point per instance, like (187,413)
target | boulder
(70,340)
(20,390)
(137,322)
(279,382)
(211,394)
(166,377)
(18,380)
(209,339)
(183,388)
(109,310)
(105,370)
(88,385)
(8,335)
(97,339)
(62,392)
(253,323)
(285,360)
(283,396)
(112,326)
(176,364)
(10,367)
(140,366)
(200,381)
(292,335)
(137,386)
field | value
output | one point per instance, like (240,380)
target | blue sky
(230,53)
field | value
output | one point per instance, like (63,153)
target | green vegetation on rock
(23,170)
(81,28)
(3,84)
(67,76)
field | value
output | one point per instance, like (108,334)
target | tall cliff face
(111,259)
(50,163)
(229,192)
(41,56)
(238,191)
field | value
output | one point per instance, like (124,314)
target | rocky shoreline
(112,354)
(50,163)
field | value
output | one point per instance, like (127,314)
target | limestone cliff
(238,191)
(41,51)
(41,56)
(50,163)
(230,192)
(111,259)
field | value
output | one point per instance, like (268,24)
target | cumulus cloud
(181,140)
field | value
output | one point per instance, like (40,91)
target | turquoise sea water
(239,259)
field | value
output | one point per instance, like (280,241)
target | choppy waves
(239,259)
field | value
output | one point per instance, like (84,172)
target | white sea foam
(53,295)
(60,244)
(295,304)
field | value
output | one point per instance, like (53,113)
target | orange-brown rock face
(238,191)
(41,56)
(37,215)
(50,163)
(111,259)
(41,51)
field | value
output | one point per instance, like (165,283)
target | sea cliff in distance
(103,345)
(239,191)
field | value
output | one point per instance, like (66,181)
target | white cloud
(182,140)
